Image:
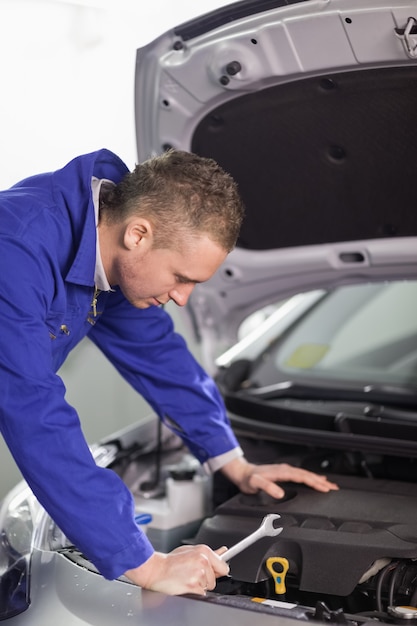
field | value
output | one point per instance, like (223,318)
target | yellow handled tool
(278,567)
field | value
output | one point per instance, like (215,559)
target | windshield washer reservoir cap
(182,474)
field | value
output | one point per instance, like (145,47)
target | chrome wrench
(266,529)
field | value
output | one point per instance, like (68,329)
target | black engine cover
(330,540)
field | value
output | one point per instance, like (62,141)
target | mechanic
(93,249)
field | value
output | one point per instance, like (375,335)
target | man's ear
(138,234)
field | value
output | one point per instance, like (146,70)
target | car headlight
(16,539)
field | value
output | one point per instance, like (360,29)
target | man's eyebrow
(186,279)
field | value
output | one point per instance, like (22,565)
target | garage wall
(67,75)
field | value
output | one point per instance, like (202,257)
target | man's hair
(182,195)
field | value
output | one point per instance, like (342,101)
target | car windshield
(365,334)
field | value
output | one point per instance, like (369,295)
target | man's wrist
(238,470)
(144,574)
(218,462)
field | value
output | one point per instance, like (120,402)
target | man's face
(152,276)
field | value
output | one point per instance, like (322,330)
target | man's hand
(188,569)
(252,478)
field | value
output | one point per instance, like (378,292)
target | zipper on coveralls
(93,311)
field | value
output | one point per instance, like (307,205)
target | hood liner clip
(408,35)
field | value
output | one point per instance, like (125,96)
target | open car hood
(311,106)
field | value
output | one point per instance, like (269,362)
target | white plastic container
(186,499)
(177,515)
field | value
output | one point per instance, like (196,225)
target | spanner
(266,529)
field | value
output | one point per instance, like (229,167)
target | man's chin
(141,304)
(145,304)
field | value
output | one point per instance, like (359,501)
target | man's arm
(90,504)
(142,344)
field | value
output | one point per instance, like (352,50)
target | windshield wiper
(385,394)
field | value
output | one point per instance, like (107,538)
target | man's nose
(181,293)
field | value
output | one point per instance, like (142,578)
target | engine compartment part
(345,557)
(355,550)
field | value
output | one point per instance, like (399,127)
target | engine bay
(347,556)
(352,551)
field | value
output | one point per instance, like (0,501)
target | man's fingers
(264,478)
(259,482)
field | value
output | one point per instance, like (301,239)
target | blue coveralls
(48,252)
